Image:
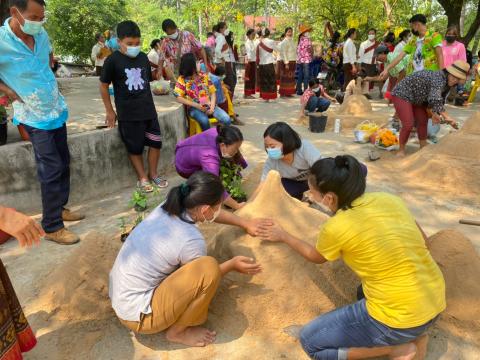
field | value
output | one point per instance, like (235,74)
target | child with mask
(130,72)
(315,98)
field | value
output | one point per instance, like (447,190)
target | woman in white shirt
(250,64)
(349,57)
(288,52)
(162,278)
(222,53)
(266,67)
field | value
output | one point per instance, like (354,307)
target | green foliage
(139,200)
(232,180)
(72,24)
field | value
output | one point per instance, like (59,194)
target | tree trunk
(4,11)
(453,10)
(461,26)
(388,12)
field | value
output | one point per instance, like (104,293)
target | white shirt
(418,60)
(220,55)
(349,52)
(95,52)
(399,47)
(265,56)
(250,49)
(157,247)
(153,57)
(288,50)
(366,57)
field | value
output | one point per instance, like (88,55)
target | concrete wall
(99,164)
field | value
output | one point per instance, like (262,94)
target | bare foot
(191,336)
(401,154)
(403,352)
(421,344)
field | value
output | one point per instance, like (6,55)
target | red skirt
(250,78)
(267,81)
(287,79)
(16,336)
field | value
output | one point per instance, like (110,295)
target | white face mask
(306,34)
(316,90)
(173,36)
(371,37)
(321,206)
(215,215)
(227,32)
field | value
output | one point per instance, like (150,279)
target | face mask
(450,38)
(227,32)
(173,36)
(316,90)
(133,51)
(274,153)
(321,206)
(306,34)
(415,32)
(31,27)
(215,215)
(371,37)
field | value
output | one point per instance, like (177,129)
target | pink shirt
(304,50)
(453,52)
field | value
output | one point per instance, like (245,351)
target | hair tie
(184,189)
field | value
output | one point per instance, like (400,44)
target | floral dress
(422,52)
(197,89)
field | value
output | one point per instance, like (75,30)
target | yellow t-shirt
(380,241)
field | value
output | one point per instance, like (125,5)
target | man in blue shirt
(27,79)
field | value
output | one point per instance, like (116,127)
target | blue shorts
(329,336)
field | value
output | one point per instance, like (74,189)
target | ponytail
(343,175)
(202,188)
(228,134)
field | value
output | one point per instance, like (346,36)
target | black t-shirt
(131,85)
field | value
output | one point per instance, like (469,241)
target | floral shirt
(426,87)
(172,50)
(197,89)
(422,51)
(304,51)
(332,54)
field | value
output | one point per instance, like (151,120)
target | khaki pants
(182,298)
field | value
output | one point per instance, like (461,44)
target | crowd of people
(163,278)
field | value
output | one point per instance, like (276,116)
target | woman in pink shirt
(453,50)
(304,58)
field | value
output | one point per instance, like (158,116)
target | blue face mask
(133,51)
(31,27)
(274,153)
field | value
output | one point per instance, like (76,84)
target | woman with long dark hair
(250,64)
(287,64)
(266,67)
(304,58)
(349,57)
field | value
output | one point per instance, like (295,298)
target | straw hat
(459,69)
(304,28)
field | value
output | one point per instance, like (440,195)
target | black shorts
(138,134)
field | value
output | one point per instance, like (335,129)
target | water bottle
(338,126)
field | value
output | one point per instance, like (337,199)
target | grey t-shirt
(303,159)
(155,249)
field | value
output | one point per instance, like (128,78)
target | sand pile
(356,105)
(452,165)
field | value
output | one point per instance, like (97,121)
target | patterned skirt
(267,81)
(250,78)
(287,79)
(16,336)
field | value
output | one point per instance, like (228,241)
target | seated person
(162,278)
(315,98)
(195,90)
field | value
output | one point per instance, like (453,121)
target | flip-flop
(145,186)
(160,182)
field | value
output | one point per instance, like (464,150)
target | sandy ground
(72,317)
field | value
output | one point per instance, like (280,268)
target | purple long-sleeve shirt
(200,152)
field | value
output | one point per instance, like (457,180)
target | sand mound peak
(357,105)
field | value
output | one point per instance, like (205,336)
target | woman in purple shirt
(206,150)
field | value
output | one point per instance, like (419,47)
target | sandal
(145,186)
(160,182)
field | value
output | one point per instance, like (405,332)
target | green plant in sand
(232,179)
(139,200)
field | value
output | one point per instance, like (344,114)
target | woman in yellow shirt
(378,238)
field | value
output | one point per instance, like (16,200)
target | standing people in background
(389,41)
(304,58)
(349,57)
(40,108)
(425,48)
(230,64)
(250,65)
(99,53)
(266,67)
(366,59)
(129,71)
(288,52)
(176,44)
(222,53)
(453,50)
(279,59)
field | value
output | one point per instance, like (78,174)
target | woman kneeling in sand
(378,238)
(162,278)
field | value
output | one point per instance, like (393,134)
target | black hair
(250,32)
(286,30)
(335,38)
(188,65)
(283,133)
(342,175)
(418,18)
(259,33)
(128,28)
(349,33)
(219,70)
(154,43)
(313,82)
(228,134)
(404,34)
(202,188)
(210,34)
(229,39)
(215,28)
(168,24)
(266,32)
(221,25)
(372,29)
(98,36)
(389,38)
(23,4)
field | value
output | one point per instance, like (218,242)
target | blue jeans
(316,103)
(329,336)
(53,170)
(202,118)
(303,76)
